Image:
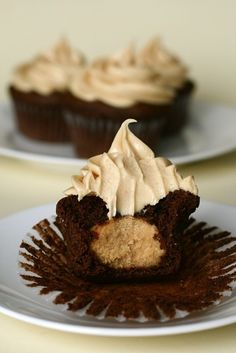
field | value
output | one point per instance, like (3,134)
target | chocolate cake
(151,86)
(37,88)
(179,110)
(140,247)
(39,117)
(122,243)
(113,233)
(93,125)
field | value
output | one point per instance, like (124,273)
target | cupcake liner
(179,111)
(38,117)
(207,276)
(92,125)
(92,136)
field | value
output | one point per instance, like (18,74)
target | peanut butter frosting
(150,75)
(120,81)
(49,71)
(128,177)
(155,56)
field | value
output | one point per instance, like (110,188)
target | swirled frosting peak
(126,143)
(120,81)
(50,71)
(155,56)
(128,177)
(63,53)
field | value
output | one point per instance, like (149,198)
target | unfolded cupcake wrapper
(92,136)
(205,279)
(43,122)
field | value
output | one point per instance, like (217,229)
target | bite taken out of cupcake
(150,84)
(123,216)
(37,88)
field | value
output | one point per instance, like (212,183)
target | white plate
(211,131)
(26,304)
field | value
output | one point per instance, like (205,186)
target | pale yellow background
(204,34)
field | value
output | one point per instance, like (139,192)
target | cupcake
(37,89)
(122,245)
(149,85)
(123,216)
(174,74)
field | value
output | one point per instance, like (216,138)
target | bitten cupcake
(37,88)
(124,214)
(150,85)
(122,246)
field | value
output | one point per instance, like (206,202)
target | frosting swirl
(128,177)
(49,71)
(150,75)
(120,81)
(155,56)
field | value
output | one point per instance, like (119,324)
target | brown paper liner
(207,271)
(39,117)
(93,135)
(92,125)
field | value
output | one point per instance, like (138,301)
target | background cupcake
(37,88)
(130,84)
(174,74)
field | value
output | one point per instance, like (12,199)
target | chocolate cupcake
(122,218)
(150,86)
(175,75)
(37,89)
(122,245)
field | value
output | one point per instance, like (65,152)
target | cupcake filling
(127,242)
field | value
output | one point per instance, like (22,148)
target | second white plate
(211,131)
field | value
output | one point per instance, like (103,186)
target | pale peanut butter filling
(127,242)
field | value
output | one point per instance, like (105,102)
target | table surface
(24,185)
